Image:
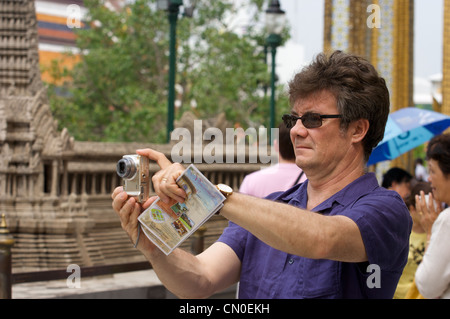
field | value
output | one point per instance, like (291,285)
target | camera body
(134,170)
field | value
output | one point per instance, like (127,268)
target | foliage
(118,90)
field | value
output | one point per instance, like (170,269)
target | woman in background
(417,241)
(433,274)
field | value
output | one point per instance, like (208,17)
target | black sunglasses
(309,120)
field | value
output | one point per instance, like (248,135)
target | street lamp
(173,8)
(275,22)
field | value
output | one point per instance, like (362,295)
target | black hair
(397,175)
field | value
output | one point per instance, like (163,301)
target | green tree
(118,90)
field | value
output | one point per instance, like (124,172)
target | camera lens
(126,168)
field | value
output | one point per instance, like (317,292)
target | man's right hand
(128,211)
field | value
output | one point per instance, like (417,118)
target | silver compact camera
(134,169)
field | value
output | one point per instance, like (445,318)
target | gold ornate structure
(446,63)
(383,32)
(345,26)
(350,26)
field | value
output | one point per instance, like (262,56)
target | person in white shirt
(433,274)
(420,171)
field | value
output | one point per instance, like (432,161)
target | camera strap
(298,178)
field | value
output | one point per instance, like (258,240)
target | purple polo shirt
(385,225)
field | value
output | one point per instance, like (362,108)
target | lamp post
(275,21)
(173,8)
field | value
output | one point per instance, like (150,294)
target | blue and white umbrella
(406,129)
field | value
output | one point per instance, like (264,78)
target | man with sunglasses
(337,235)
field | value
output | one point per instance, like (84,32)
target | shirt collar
(298,194)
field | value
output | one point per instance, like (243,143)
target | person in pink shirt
(278,177)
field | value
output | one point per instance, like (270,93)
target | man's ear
(359,129)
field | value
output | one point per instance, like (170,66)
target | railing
(35,276)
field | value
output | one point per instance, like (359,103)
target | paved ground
(132,285)
(139,284)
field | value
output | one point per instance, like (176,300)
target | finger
(163,192)
(119,201)
(126,211)
(165,183)
(149,201)
(169,189)
(430,204)
(175,192)
(437,205)
(173,177)
(157,181)
(156,156)
(418,209)
(116,191)
(423,204)
(134,214)
(131,227)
